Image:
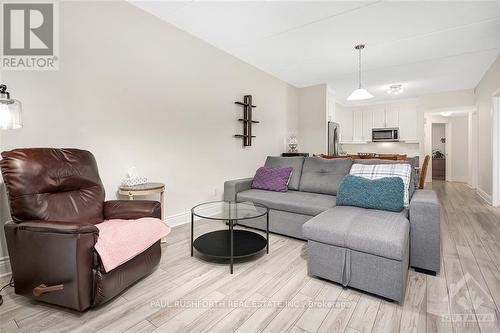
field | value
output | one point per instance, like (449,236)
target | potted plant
(437,154)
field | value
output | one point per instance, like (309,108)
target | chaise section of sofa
(361,248)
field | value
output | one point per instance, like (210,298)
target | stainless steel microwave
(385,134)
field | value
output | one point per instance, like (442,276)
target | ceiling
(428,47)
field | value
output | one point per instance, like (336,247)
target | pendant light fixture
(360,93)
(10,110)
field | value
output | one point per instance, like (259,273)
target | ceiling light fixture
(395,89)
(360,93)
(446,113)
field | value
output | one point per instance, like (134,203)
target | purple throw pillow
(272,179)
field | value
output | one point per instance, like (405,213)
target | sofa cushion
(385,193)
(292,201)
(282,162)
(413,161)
(370,231)
(321,175)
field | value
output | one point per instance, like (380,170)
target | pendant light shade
(360,93)
(10,111)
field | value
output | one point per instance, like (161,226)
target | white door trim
(496,148)
(473,148)
(448,138)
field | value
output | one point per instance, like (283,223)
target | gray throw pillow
(321,175)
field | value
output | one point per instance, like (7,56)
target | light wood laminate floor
(187,294)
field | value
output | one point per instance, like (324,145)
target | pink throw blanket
(121,240)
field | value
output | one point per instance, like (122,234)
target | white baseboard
(485,196)
(183,218)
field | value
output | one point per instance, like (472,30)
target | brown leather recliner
(56,199)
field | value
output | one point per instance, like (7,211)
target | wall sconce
(10,110)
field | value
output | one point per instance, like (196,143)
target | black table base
(230,243)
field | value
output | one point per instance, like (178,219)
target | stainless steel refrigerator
(333,138)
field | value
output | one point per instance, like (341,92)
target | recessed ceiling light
(446,114)
(395,89)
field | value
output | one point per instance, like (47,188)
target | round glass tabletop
(229,210)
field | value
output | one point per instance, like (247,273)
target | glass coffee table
(230,243)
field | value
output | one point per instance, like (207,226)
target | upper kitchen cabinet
(378,112)
(385,116)
(356,123)
(357,128)
(408,121)
(392,115)
(367,125)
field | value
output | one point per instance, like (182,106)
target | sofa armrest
(53,253)
(131,209)
(232,187)
(425,239)
(54,227)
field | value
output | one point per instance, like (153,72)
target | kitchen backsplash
(410,149)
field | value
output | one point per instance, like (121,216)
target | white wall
(313,119)
(438,132)
(483,99)
(459,151)
(137,91)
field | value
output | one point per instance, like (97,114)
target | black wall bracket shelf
(247,121)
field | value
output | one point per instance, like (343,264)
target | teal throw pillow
(384,193)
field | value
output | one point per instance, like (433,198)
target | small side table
(145,189)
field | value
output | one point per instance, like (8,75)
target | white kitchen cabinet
(357,125)
(408,121)
(378,113)
(392,115)
(344,117)
(367,125)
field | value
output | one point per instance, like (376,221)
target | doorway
(438,151)
(446,141)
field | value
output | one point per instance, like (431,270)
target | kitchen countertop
(394,157)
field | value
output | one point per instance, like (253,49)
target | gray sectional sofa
(362,248)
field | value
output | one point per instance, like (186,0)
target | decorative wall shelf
(247,121)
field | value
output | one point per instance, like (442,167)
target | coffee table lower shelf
(217,244)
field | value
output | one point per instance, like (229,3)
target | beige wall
(483,99)
(313,119)
(438,133)
(459,151)
(137,91)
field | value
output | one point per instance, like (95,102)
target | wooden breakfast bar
(391,157)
